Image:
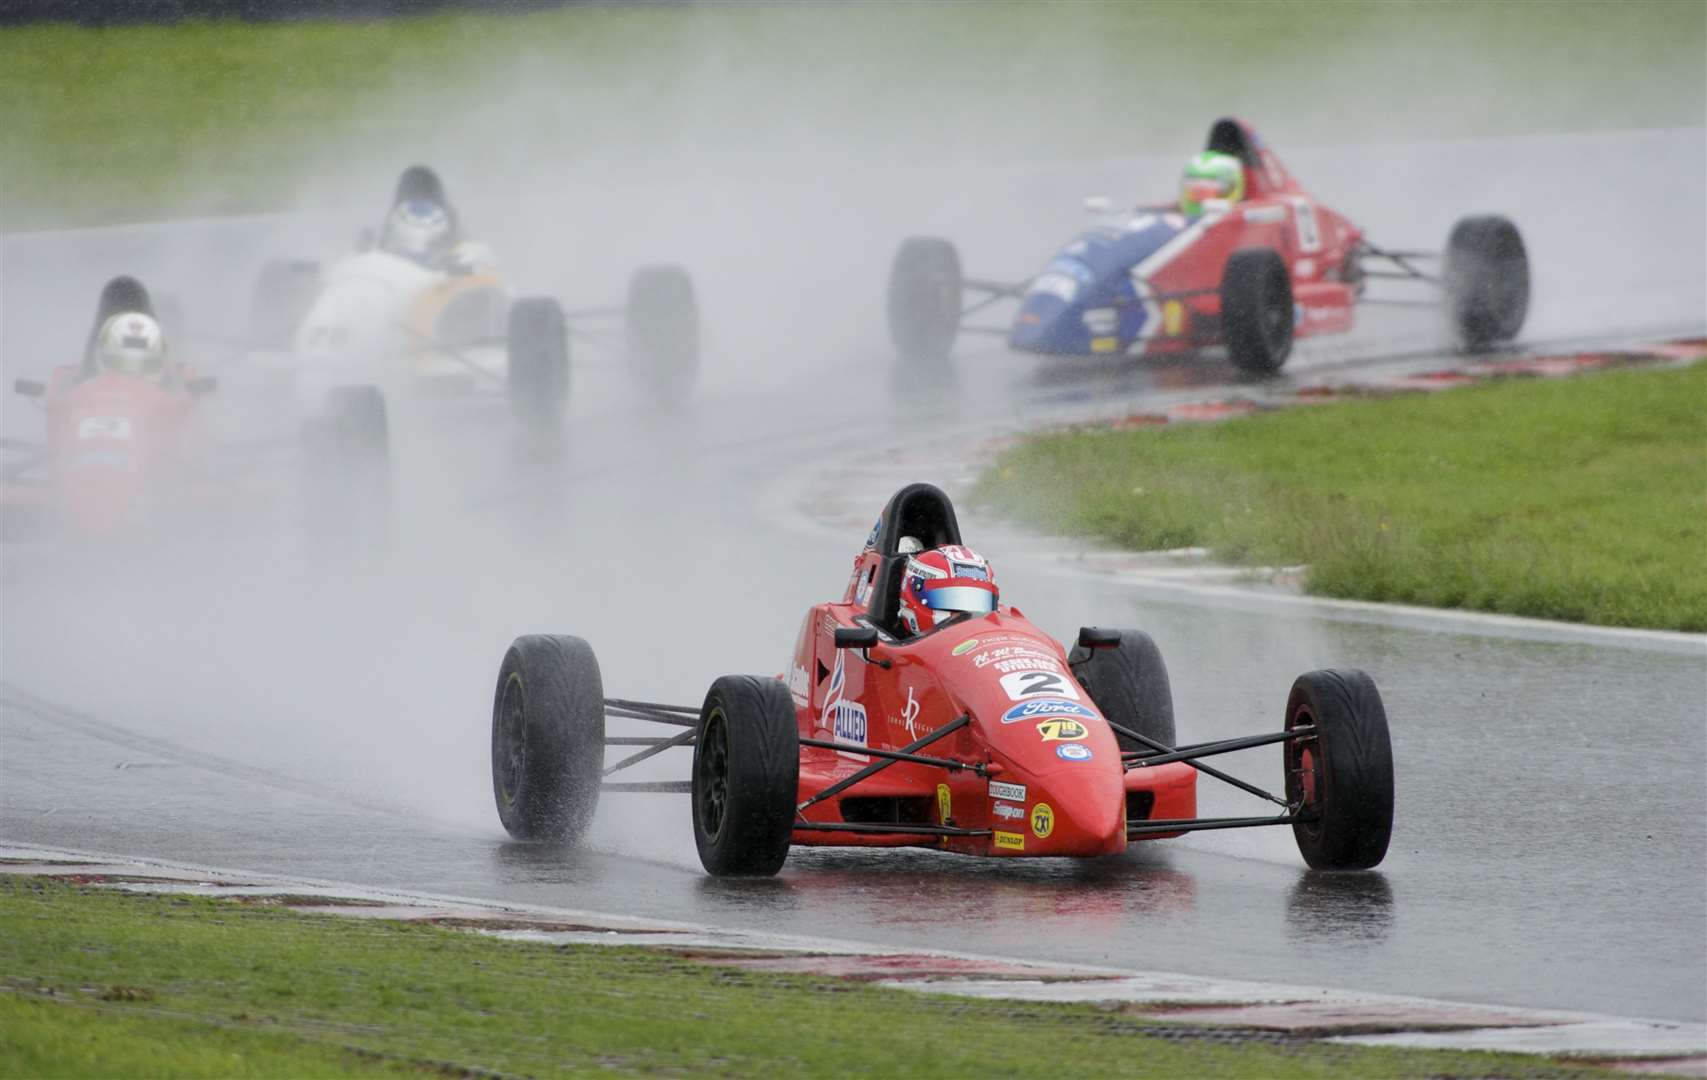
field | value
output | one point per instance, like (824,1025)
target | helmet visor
(979,599)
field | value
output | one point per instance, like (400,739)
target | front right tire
(924,299)
(746,777)
(1341,777)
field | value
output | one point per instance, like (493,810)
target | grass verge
(100,982)
(133,121)
(1582,499)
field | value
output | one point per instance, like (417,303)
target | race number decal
(1025,684)
(1304,217)
(103,427)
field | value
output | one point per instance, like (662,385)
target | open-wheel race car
(1249,272)
(128,446)
(419,304)
(978,735)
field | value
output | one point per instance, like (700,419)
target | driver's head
(130,343)
(418,229)
(1210,175)
(944,582)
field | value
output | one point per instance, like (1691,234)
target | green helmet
(1210,175)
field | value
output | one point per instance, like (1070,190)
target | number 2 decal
(1024,684)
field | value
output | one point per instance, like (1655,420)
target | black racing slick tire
(1486,276)
(1129,684)
(662,323)
(284,291)
(746,777)
(537,349)
(548,738)
(1257,317)
(1340,778)
(924,299)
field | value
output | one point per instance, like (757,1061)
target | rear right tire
(1257,317)
(746,777)
(537,348)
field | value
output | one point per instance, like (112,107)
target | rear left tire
(746,777)
(1486,276)
(548,738)
(924,299)
(1129,684)
(662,319)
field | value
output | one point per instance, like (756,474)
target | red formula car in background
(1250,273)
(127,446)
(122,447)
(979,735)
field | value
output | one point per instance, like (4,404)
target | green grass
(1582,499)
(126,122)
(100,982)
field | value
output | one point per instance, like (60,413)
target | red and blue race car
(1250,275)
(980,735)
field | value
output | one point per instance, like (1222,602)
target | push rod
(877,829)
(1144,828)
(1209,749)
(894,755)
(1208,770)
(684,739)
(878,766)
(675,787)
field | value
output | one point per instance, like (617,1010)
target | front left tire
(548,738)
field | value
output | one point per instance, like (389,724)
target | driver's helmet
(418,229)
(1210,175)
(944,582)
(130,343)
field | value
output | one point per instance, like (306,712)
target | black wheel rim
(510,754)
(711,785)
(1306,786)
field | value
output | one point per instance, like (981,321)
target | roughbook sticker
(1028,684)
(1013,841)
(1042,821)
(1001,789)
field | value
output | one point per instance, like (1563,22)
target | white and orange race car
(379,316)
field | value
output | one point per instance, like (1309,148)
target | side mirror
(1099,204)
(1095,637)
(206,384)
(855,637)
(30,388)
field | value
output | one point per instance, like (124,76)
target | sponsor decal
(1265,215)
(910,714)
(1173,318)
(965,647)
(1038,708)
(1061,729)
(1105,344)
(1027,684)
(944,804)
(1326,313)
(799,685)
(1009,810)
(1012,841)
(1042,821)
(1073,752)
(1001,790)
(847,718)
(876,527)
(1304,268)
(1030,663)
(103,427)
(1008,652)
(1100,320)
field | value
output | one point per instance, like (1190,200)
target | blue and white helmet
(418,229)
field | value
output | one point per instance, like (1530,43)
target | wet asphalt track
(236,699)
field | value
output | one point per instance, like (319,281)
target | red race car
(1245,259)
(920,711)
(125,439)
(127,447)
